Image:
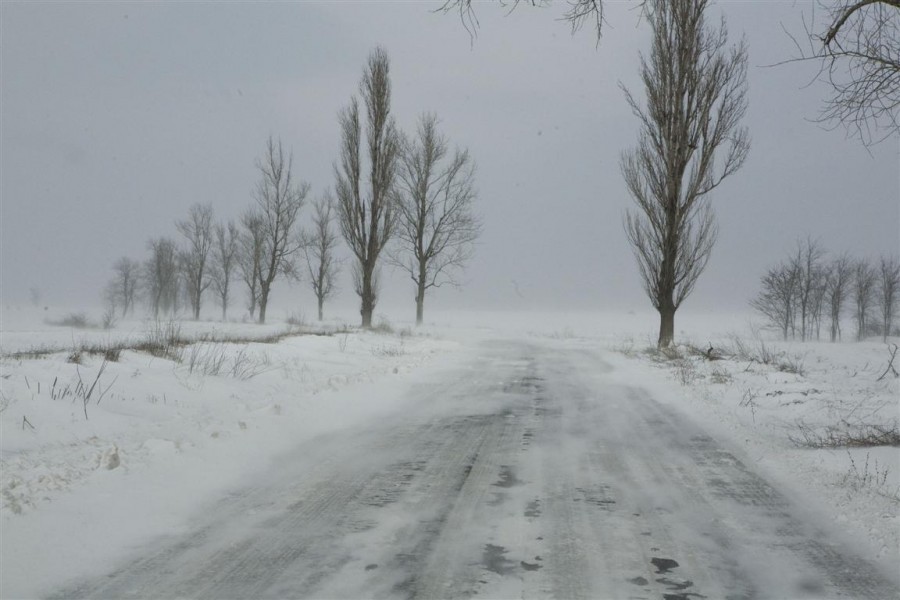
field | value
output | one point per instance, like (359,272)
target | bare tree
(319,249)
(864,281)
(197,230)
(579,12)
(858,48)
(224,259)
(124,284)
(690,141)
(279,202)
(110,306)
(367,217)
(436,226)
(161,276)
(778,298)
(809,267)
(817,303)
(250,256)
(837,287)
(888,284)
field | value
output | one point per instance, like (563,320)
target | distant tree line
(811,290)
(408,195)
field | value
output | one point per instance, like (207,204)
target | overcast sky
(115,117)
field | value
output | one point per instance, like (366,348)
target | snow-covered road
(529,472)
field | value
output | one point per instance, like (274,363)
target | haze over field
(117,116)
(551,427)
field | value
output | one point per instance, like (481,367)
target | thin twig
(890,367)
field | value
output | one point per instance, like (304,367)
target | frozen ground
(87,485)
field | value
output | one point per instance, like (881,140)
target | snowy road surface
(529,473)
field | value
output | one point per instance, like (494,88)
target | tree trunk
(368,299)
(366,312)
(262,313)
(420,293)
(420,306)
(321,302)
(263,302)
(666,325)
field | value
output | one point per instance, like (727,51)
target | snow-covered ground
(98,456)
(766,410)
(160,435)
(789,415)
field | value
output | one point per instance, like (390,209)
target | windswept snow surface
(159,440)
(525,455)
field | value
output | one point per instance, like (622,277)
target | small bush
(720,376)
(297,319)
(760,353)
(383,326)
(764,355)
(245,367)
(869,477)
(163,341)
(213,358)
(686,371)
(207,358)
(791,364)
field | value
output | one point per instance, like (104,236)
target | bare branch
(859,58)
(578,14)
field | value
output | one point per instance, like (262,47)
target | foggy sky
(115,117)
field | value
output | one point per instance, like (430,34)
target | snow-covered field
(98,456)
